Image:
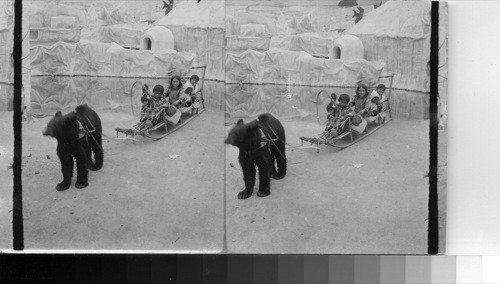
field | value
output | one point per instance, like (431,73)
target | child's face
(361,92)
(175,83)
(375,100)
(343,103)
(193,82)
(380,91)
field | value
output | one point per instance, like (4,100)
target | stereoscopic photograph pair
(281,127)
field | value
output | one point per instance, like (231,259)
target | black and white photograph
(123,125)
(282,127)
(327,126)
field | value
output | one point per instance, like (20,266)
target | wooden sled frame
(165,128)
(351,137)
(347,138)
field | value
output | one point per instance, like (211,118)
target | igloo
(347,47)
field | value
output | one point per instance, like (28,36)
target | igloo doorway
(157,38)
(146,43)
(336,53)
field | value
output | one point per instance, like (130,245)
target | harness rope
(87,132)
(271,140)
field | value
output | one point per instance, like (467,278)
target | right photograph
(328,114)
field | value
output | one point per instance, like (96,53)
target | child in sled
(174,100)
(377,105)
(152,113)
(372,110)
(358,104)
(195,93)
(339,115)
(380,93)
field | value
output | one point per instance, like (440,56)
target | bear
(261,143)
(78,134)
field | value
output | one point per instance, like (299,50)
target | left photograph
(123,125)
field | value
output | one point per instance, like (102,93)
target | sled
(164,125)
(354,134)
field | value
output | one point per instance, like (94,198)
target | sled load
(162,113)
(349,122)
